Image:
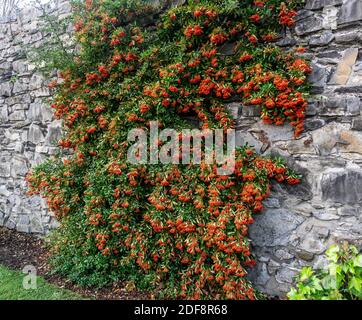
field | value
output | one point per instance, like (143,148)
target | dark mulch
(18,250)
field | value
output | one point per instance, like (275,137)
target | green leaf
(317,284)
(358,261)
(332,269)
(332,253)
(341,279)
(306,273)
(329,282)
(355,283)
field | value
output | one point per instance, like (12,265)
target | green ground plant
(341,279)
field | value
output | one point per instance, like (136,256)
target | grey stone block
(343,186)
(310,24)
(321,40)
(318,4)
(357,124)
(273,227)
(35,134)
(54,133)
(351,11)
(6,89)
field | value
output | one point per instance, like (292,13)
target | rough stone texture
(344,67)
(351,11)
(319,4)
(297,229)
(26,124)
(298,222)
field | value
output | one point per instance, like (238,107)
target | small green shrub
(340,280)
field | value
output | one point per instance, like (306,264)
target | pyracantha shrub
(179,228)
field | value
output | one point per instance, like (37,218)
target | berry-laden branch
(179,228)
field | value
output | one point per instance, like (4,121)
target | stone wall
(299,222)
(27,129)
